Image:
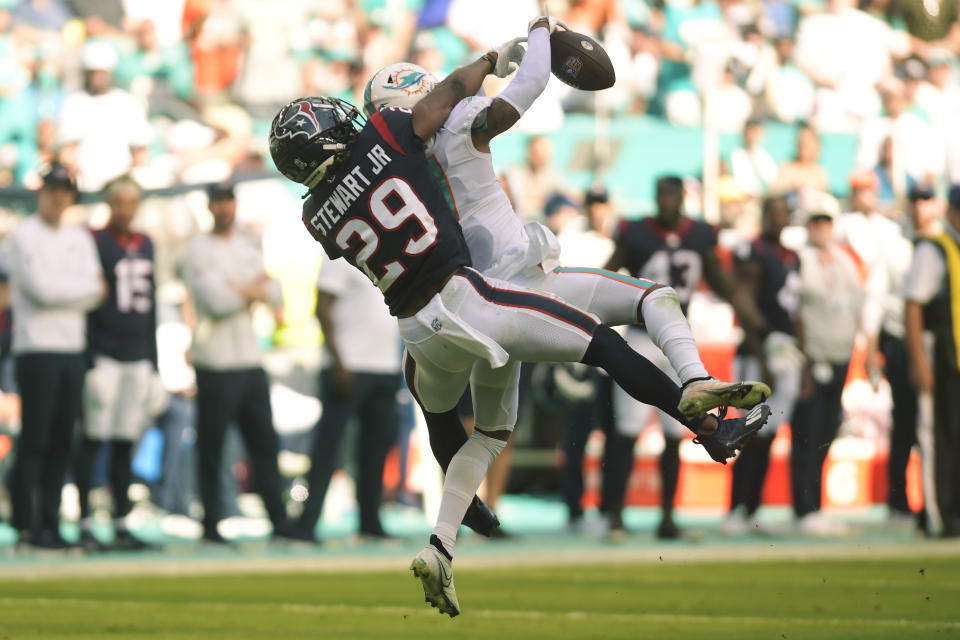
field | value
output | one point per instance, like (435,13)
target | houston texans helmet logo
(300,120)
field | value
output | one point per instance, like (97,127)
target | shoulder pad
(463,115)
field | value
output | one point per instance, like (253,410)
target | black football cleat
(480,518)
(732,434)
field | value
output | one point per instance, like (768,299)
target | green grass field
(865,597)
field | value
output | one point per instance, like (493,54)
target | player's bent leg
(636,375)
(447,435)
(619,299)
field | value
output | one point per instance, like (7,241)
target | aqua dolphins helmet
(398,85)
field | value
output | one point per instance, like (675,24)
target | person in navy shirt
(122,352)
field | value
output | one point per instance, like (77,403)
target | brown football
(579,61)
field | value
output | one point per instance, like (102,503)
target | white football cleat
(700,396)
(435,572)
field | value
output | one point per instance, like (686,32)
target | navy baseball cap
(58,176)
(921,191)
(596,193)
(556,202)
(222,190)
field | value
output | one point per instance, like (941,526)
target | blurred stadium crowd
(178,96)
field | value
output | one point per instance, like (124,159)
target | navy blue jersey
(124,327)
(779,293)
(669,256)
(386,213)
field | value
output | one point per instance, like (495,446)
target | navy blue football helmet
(308,134)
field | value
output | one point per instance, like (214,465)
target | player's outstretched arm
(526,86)
(432,111)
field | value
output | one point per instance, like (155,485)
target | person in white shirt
(846,52)
(101,124)
(55,279)
(225,274)
(885,253)
(831,301)
(359,379)
(754,169)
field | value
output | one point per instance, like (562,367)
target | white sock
(668,328)
(464,475)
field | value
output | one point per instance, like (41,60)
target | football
(579,61)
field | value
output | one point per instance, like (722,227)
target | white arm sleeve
(534,72)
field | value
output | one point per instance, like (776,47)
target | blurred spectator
(101,123)
(532,182)
(893,266)
(831,301)
(160,76)
(225,274)
(643,67)
(803,175)
(931,292)
(120,389)
(167,18)
(55,279)
(269,54)
(688,29)
(888,191)
(43,15)
(917,153)
(846,52)
(584,237)
(885,254)
(789,92)
(472,21)
(359,381)
(939,96)
(769,272)
(930,24)
(101,18)
(218,39)
(754,169)
(676,251)
(729,106)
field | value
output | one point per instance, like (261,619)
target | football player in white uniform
(503,247)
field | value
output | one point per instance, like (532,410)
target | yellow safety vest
(952,253)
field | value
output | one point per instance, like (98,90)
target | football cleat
(733,433)
(480,518)
(435,572)
(702,395)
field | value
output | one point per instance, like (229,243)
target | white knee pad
(493,446)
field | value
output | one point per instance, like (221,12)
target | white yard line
(471,557)
(515,614)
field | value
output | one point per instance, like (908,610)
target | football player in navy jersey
(675,250)
(122,349)
(770,274)
(374,202)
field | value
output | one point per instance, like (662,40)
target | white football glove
(553,22)
(509,56)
